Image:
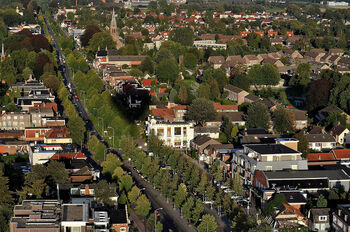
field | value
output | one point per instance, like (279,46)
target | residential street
(170,217)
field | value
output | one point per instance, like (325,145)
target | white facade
(175,134)
(208,44)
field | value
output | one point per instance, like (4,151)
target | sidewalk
(171,214)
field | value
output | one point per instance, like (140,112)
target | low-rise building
(175,134)
(266,157)
(36,215)
(341,218)
(319,219)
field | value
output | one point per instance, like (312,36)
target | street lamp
(82,91)
(104,153)
(109,127)
(206,222)
(155,218)
(102,124)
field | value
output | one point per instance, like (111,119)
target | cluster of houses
(39,131)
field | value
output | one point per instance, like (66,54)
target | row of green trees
(169,183)
(182,176)
(129,193)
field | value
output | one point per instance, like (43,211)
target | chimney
(87,191)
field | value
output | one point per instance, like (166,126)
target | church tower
(2,53)
(114,31)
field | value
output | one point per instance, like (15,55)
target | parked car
(208,202)
(228,190)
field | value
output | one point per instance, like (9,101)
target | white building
(175,134)
(333,3)
(208,44)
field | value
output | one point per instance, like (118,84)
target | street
(170,217)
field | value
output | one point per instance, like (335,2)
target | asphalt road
(169,216)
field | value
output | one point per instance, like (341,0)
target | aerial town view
(174,116)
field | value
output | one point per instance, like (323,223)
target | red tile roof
(164,113)
(57,133)
(292,209)
(341,154)
(218,106)
(148,82)
(71,155)
(320,157)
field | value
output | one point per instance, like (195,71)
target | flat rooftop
(266,149)
(74,212)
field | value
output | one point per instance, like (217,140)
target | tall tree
(303,145)
(303,75)
(317,95)
(321,202)
(180,196)
(258,116)
(57,173)
(187,208)
(104,192)
(183,96)
(208,224)
(88,33)
(283,120)
(201,110)
(184,36)
(167,70)
(143,206)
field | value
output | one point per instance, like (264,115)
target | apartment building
(15,120)
(267,157)
(175,134)
(341,218)
(42,153)
(36,215)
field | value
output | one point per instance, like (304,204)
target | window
(15,117)
(269,158)
(322,218)
(160,132)
(177,130)
(268,168)
(169,131)
(184,131)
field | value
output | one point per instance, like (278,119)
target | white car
(228,190)
(208,202)
(223,187)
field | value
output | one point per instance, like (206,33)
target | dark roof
(233,88)
(303,183)
(112,52)
(117,215)
(210,129)
(294,197)
(267,102)
(331,108)
(338,129)
(255,131)
(300,115)
(337,174)
(126,58)
(201,139)
(233,116)
(319,138)
(216,59)
(315,212)
(220,146)
(72,213)
(252,97)
(263,139)
(271,149)
(101,53)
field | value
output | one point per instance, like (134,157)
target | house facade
(175,134)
